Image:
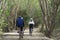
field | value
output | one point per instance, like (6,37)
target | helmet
(31,18)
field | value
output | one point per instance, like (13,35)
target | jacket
(20,22)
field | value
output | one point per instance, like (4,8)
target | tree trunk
(49,13)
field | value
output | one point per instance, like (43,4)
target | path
(35,36)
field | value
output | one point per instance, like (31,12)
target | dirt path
(35,35)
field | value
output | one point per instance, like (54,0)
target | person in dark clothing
(20,24)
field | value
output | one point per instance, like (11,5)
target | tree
(49,12)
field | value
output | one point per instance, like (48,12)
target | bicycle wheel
(30,32)
(20,35)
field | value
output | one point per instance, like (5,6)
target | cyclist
(31,24)
(20,25)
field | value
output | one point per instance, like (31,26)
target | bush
(3,23)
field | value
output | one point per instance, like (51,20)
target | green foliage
(4,13)
(58,19)
(1,11)
(2,23)
(28,8)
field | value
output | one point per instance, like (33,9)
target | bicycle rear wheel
(30,32)
(20,35)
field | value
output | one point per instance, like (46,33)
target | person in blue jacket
(20,23)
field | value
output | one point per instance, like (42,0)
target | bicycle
(20,35)
(30,31)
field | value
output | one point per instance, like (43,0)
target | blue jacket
(20,22)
